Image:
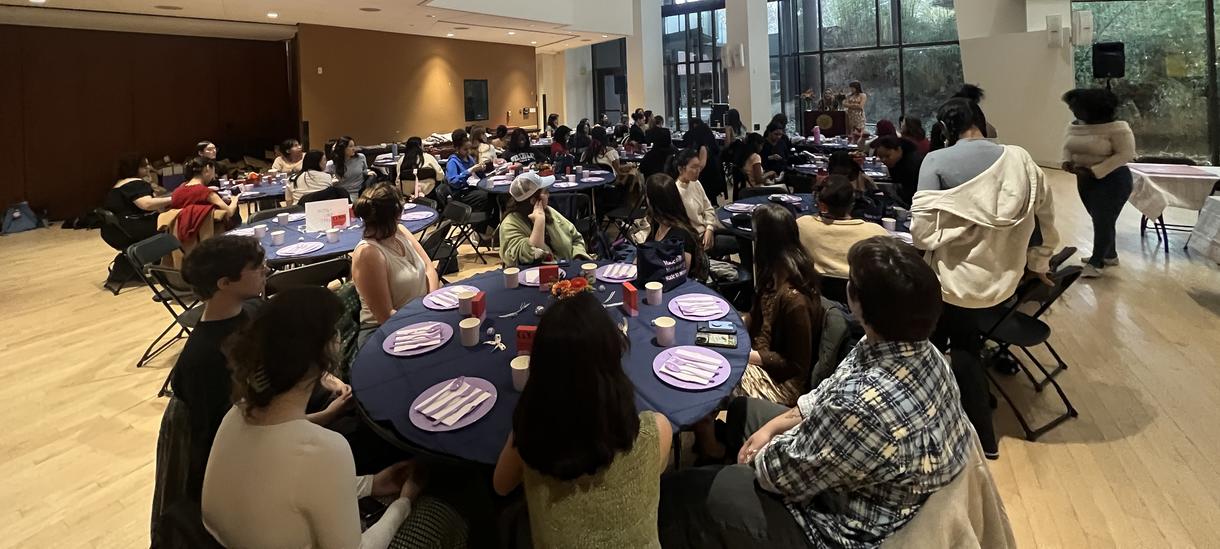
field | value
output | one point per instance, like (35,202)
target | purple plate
(602,276)
(446,335)
(721,375)
(740,208)
(785,198)
(721,305)
(299,249)
(565,184)
(521,276)
(416,216)
(436,306)
(425,424)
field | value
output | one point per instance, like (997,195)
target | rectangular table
(1205,237)
(1159,186)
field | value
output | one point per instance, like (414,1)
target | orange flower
(579,283)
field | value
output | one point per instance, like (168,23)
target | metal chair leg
(1034,433)
(150,354)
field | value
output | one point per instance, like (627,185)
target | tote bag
(661,261)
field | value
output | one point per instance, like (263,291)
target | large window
(904,53)
(694,77)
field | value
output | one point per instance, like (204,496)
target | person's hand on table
(478,168)
(708,239)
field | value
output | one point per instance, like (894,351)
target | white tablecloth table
(1159,186)
(1205,237)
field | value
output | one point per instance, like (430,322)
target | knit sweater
(562,238)
(1102,147)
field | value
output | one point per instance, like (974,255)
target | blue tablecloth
(874,170)
(348,238)
(807,207)
(273,191)
(582,184)
(386,385)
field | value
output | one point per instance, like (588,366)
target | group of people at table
(848,462)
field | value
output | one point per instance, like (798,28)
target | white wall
(982,18)
(608,16)
(749,85)
(550,70)
(577,85)
(1037,10)
(645,79)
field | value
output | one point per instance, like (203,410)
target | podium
(832,123)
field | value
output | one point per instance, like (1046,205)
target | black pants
(722,506)
(1104,198)
(479,201)
(958,333)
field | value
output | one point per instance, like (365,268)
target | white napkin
(461,413)
(687,373)
(444,299)
(530,276)
(402,346)
(456,404)
(430,406)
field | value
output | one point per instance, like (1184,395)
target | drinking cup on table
(889,223)
(510,277)
(277,238)
(332,235)
(652,293)
(470,331)
(588,271)
(665,331)
(577,169)
(571,178)
(465,297)
(282,219)
(521,371)
(260,231)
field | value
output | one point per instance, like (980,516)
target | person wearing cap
(532,230)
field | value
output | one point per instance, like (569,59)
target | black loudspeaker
(1109,60)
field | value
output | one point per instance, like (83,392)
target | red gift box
(547,276)
(525,339)
(478,305)
(631,299)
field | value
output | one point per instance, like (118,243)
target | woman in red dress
(196,200)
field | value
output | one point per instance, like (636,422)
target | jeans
(1104,198)
(958,332)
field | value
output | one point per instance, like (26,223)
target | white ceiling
(401,16)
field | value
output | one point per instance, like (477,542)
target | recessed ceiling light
(38,1)
(371,10)
(605,36)
(168,7)
(272,15)
(510,33)
(450,34)
(533,41)
(432,16)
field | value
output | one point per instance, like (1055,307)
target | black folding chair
(169,289)
(578,208)
(118,239)
(441,248)
(319,274)
(271,213)
(1009,327)
(462,221)
(624,218)
(765,190)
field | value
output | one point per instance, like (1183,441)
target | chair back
(747,192)
(270,214)
(1063,278)
(839,334)
(319,274)
(109,219)
(440,248)
(456,213)
(330,193)
(348,328)
(152,250)
(424,202)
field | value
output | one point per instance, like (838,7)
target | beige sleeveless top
(408,276)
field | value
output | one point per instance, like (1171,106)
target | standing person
(389,266)
(785,319)
(829,101)
(533,231)
(349,166)
(903,160)
(734,130)
(1097,149)
(974,214)
(276,480)
(855,103)
(912,130)
(417,165)
(590,463)
(458,170)
(310,179)
(290,157)
(701,138)
(667,219)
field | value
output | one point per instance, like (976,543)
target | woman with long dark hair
(533,231)
(785,319)
(310,179)
(843,164)
(417,165)
(657,157)
(903,160)
(349,166)
(131,200)
(289,158)
(519,149)
(197,200)
(750,162)
(581,138)
(734,129)
(854,105)
(701,138)
(667,220)
(559,142)
(912,130)
(590,463)
(484,151)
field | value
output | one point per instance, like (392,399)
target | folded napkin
(295,217)
(411,345)
(242,232)
(530,276)
(443,298)
(457,404)
(696,358)
(687,372)
(464,410)
(442,397)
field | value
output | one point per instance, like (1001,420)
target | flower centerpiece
(568,288)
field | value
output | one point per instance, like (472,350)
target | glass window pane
(806,25)
(773,28)
(722,31)
(1164,94)
(849,23)
(928,21)
(776,86)
(887,21)
(930,76)
(673,44)
(877,72)
(811,79)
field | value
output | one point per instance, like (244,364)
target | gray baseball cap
(528,183)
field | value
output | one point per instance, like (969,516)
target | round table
(386,385)
(874,170)
(584,182)
(294,231)
(266,191)
(807,207)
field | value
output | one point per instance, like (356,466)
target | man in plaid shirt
(859,455)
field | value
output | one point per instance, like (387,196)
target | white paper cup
(464,299)
(277,238)
(470,331)
(889,223)
(578,169)
(510,277)
(571,178)
(665,331)
(282,219)
(521,371)
(260,231)
(588,270)
(332,235)
(652,293)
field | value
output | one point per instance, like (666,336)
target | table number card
(548,275)
(525,339)
(326,214)
(478,305)
(631,299)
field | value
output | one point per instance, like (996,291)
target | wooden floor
(1138,468)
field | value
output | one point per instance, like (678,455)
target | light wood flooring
(1138,468)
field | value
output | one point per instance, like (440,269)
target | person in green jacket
(532,231)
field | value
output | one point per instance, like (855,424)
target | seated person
(776,150)
(485,151)
(860,454)
(589,461)
(903,160)
(289,159)
(699,209)
(417,165)
(658,156)
(667,219)
(461,165)
(636,133)
(310,179)
(533,231)
(131,200)
(601,152)
(559,142)
(196,201)
(273,480)
(501,138)
(580,139)
(751,164)
(519,150)
(828,237)
(844,164)
(349,166)
(389,266)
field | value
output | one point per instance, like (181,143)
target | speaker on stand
(1109,61)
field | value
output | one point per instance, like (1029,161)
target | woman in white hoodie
(978,206)
(1097,149)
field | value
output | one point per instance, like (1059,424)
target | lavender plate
(423,423)
(785,198)
(602,276)
(529,277)
(431,303)
(722,307)
(416,216)
(299,249)
(446,335)
(739,207)
(721,375)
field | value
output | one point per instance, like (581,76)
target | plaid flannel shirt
(879,436)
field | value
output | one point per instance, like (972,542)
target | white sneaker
(1090,271)
(1112,262)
